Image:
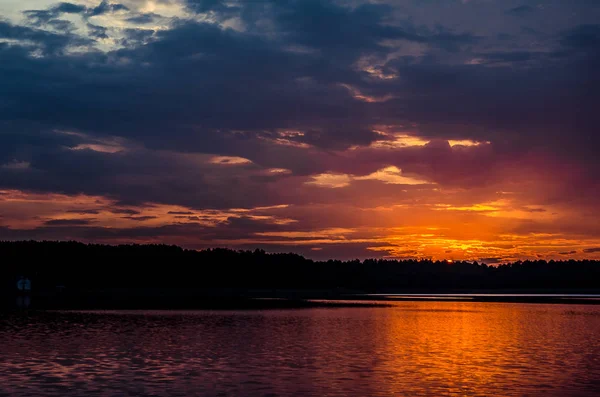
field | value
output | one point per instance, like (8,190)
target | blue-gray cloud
(316,67)
(143,18)
(48,41)
(585,37)
(521,10)
(41,17)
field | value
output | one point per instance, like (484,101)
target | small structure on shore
(24,285)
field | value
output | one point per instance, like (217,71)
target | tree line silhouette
(78,266)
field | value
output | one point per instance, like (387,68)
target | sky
(443,129)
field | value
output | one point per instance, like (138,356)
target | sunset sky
(458,129)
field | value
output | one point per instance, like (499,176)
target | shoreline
(275,299)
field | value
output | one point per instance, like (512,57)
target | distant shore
(185,299)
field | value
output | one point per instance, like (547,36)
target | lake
(412,348)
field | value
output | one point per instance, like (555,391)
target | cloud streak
(238,123)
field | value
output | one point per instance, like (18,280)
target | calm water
(413,348)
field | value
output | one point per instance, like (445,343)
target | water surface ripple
(412,348)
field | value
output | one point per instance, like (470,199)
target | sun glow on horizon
(484,232)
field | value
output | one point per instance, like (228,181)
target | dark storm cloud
(230,64)
(140,218)
(491,260)
(567,253)
(68,8)
(85,211)
(220,7)
(200,88)
(343,31)
(126,211)
(232,229)
(584,37)
(451,41)
(136,36)
(97,32)
(40,17)
(534,210)
(521,10)
(51,42)
(510,57)
(105,7)
(61,25)
(50,16)
(68,222)
(144,176)
(143,18)
(530,106)
(270,73)
(17,135)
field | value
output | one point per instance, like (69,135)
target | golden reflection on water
(474,348)
(413,348)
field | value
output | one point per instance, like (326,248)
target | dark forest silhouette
(78,266)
